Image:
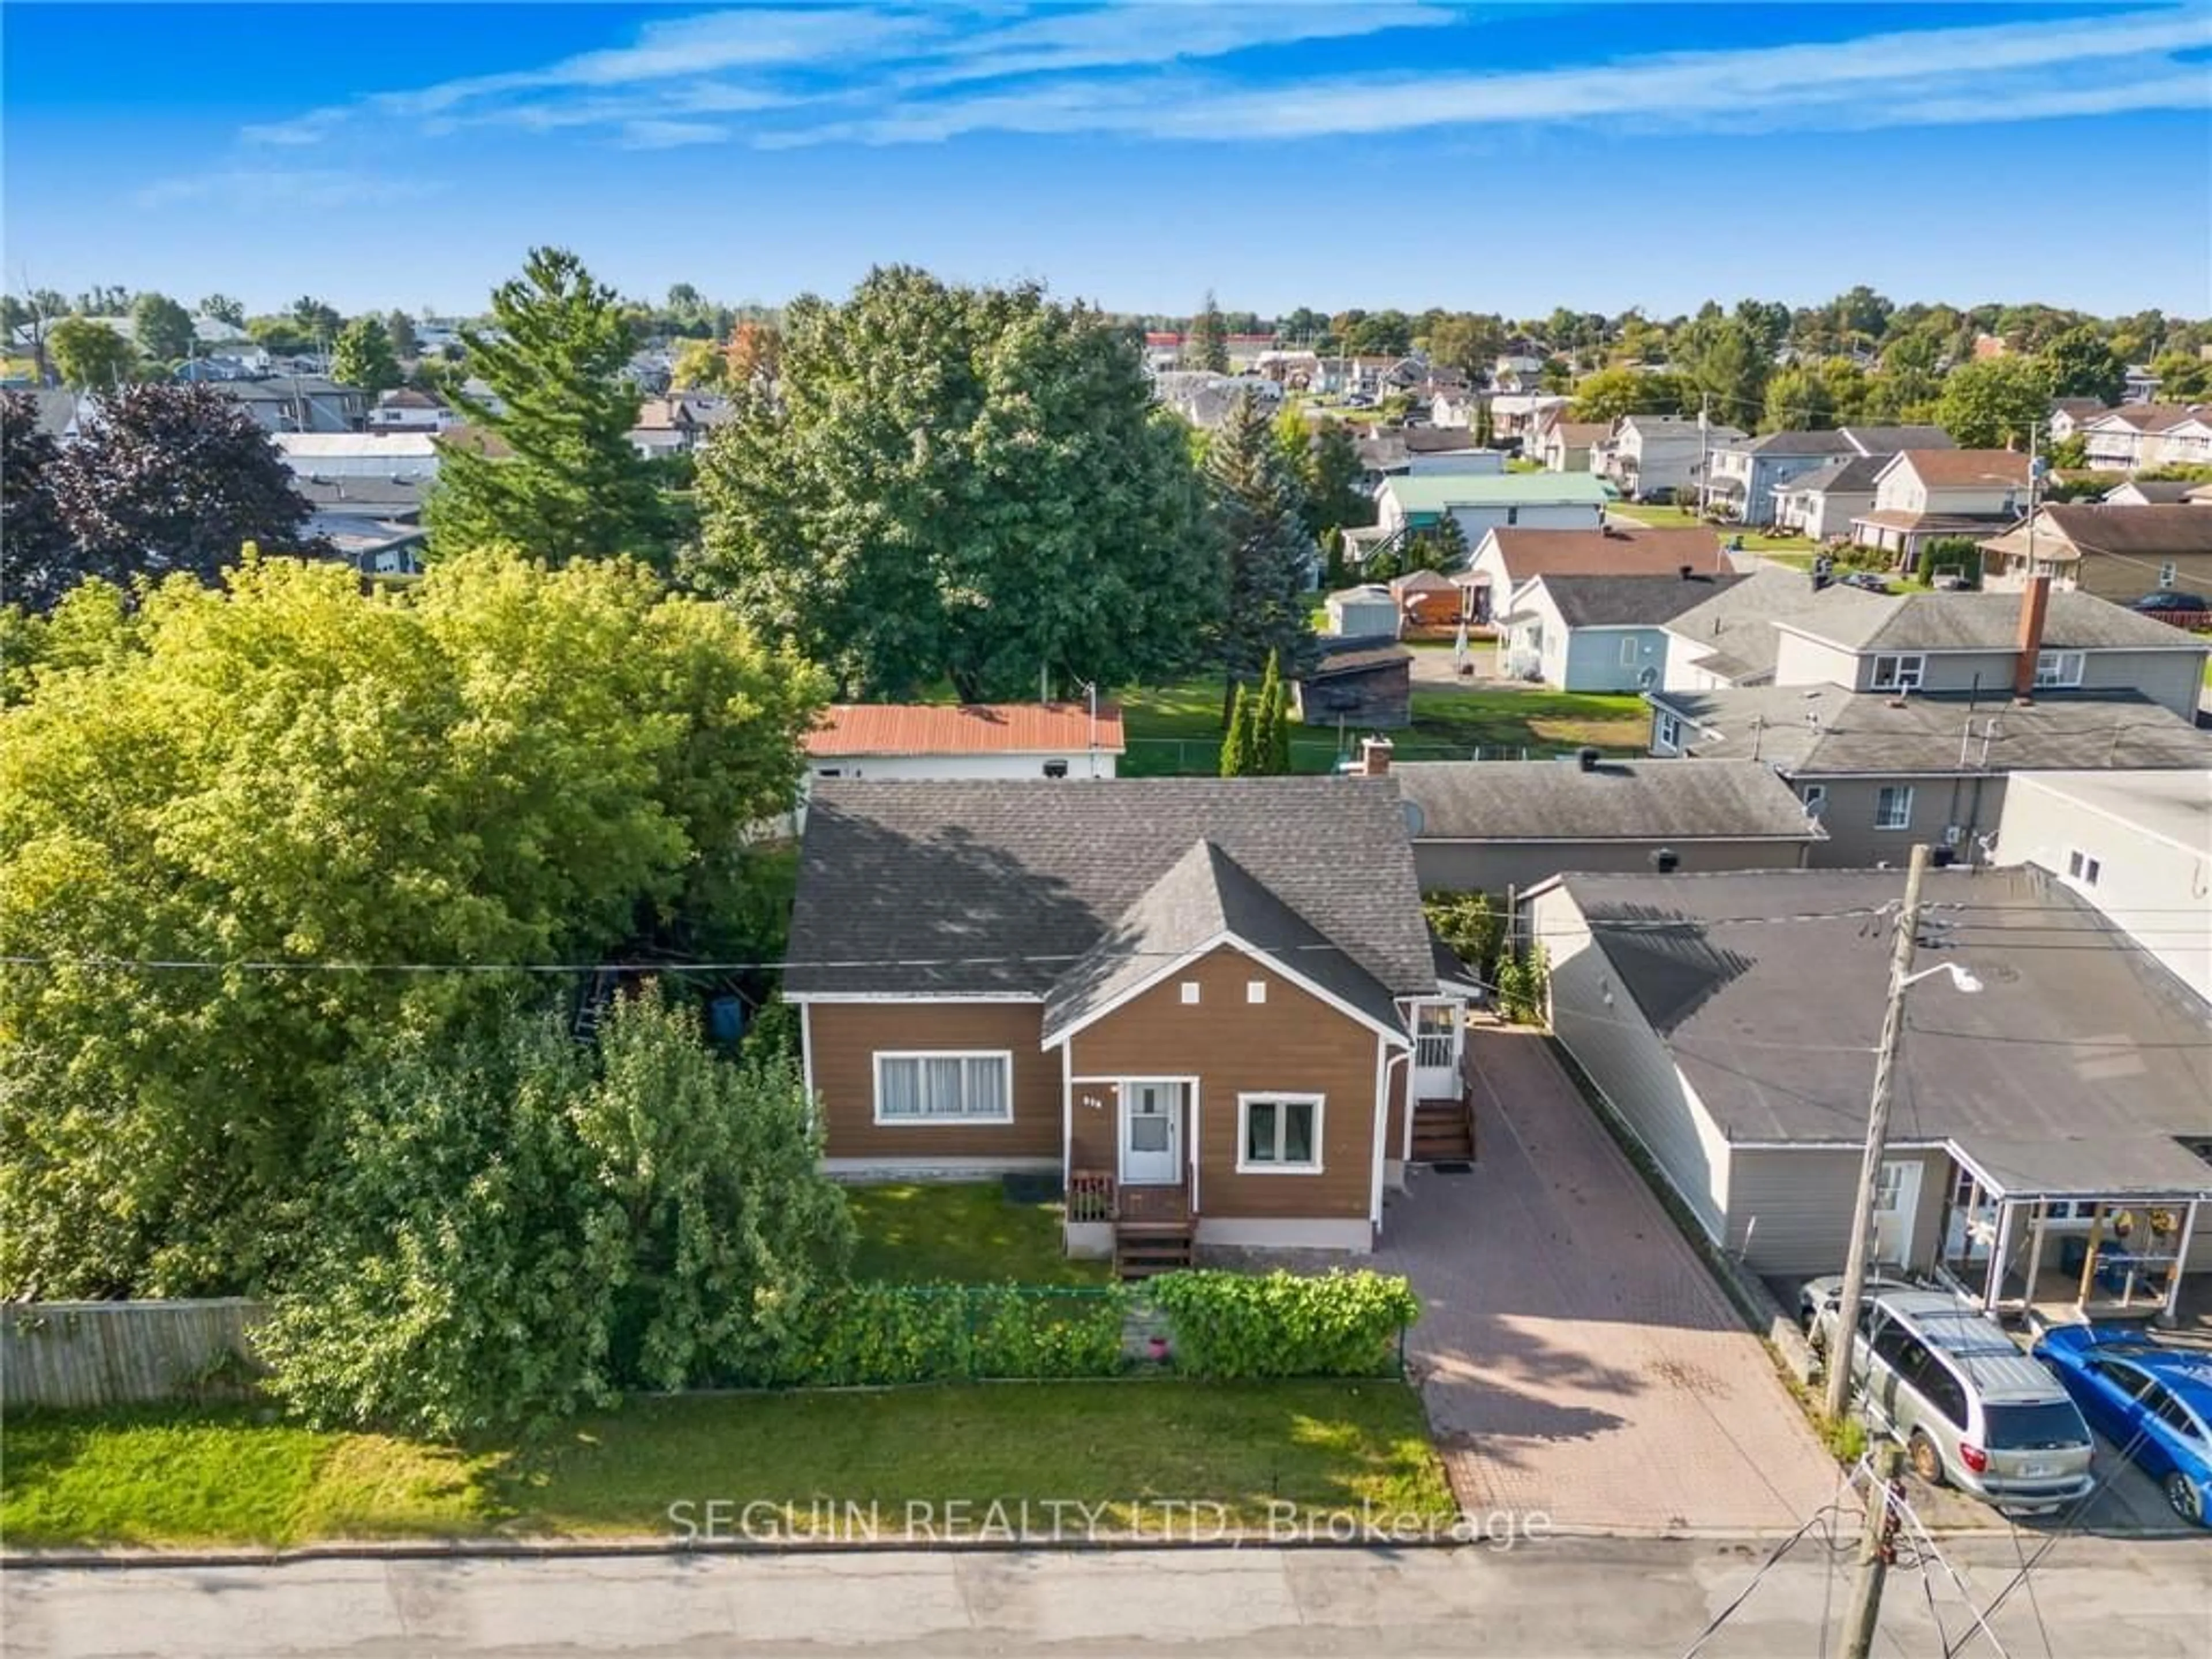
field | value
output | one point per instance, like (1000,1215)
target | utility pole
(1877,1549)
(1877,1138)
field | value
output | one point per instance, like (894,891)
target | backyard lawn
(1679,518)
(961,1233)
(191,1476)
(1175,730)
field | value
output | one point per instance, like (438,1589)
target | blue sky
(1388,152)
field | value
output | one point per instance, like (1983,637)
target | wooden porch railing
(1091,1195)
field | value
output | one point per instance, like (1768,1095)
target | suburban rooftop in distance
(1019,729)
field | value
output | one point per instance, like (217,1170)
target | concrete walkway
(1578,1360)
(1558,1599)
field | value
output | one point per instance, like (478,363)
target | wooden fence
(80,1354)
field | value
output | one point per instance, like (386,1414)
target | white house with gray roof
(1651,456)
(1599,633)
(1730,1021)
(1743,475)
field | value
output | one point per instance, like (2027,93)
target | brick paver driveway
(1576,1358)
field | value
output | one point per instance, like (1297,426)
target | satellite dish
(1647,679)
(1415,818)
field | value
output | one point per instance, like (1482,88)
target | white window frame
(1670,729)
(1278,1098)
(1004,1056)
(1907,672)
(2059,668)
(1899,792)
(1815,795)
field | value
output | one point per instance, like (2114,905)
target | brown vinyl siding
(1292,1043)
(1095,1123)
(846,1036)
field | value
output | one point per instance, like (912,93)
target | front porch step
(1143,1248)
(1444,1131)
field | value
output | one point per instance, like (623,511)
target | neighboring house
(1884,771)
(1428,598)
(2069,414)
(1566,445)
(1545,500)
(1518,414)
(1732,639)
(1743,475)
(1363,682)
(386,499)
(2137,845)
(1501,826)
(405,409)
(1990,643)
(396,457)
(1821,504)
(2137,436)
(2148,492)
(1154,990)
(374,546)
(1731,1022)
(1651,456)
(1367,611)
(1599,633)
(942,741)
(1455,409)
(2118,553)
(1504,561)
(2139,385)
(1921,494)
(300,403)
(676,425)
(1421,451)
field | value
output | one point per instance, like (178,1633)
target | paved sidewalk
(1578,1359)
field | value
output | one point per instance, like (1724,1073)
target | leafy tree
(1334,502)
(1240,744)
(700,365)
(162,479)
(1860,313)
(399,329)
(1446,544)
(1766,321)
(1909,381)
(2182,375)
(280,335)
(1799,399)
(502,764)
(91,355)
(31,527)
(1208,348)
(1467,341)
(364,356)
(1271,732)
(316,319)
(162,327)
(1466,923)
(103,299)
(224,309)
(570,485)
(1612,393)
(970,484)
(1257,507)
(1486,423)
(1378,334)
(513,1231)
(1724,363)
(753,354)
(2081,364)
(1992,402)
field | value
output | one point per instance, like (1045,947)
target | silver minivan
(1970,1408)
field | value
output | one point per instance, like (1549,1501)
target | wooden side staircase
(1444,1132)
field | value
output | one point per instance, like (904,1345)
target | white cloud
(670,135)
(287,189)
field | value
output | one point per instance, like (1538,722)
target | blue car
(2154,1399)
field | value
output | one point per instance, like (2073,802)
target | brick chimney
(1374,757)
(2034,604)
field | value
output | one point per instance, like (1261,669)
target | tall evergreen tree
(559,478)
(1258,509)
(1273,746)
(1208,348)
(1240,746)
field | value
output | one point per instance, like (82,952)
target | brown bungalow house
(1169,993)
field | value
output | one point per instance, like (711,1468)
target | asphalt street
(1557,1599)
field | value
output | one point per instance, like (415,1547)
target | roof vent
(1587,758)
(1666,861)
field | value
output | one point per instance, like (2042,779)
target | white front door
(1439,1029)
(1152,1134)
(1896,1202)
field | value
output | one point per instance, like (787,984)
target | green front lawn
(175,1477)
(1175,730)
(1680,518)
(961,1233)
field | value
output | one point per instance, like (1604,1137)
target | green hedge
(1236,1326)
(867,1334)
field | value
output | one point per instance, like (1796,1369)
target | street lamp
(1901,980)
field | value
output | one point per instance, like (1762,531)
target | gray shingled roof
(1854,476)
(1809,730)
(1887,441)
(1204,894)
(1989,622)
(1629,601)
(1798,443)
(985,887)
(1615,800)
(1737,624)
(2071,1071)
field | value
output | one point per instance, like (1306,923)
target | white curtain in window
(941,1086)
(987,1093)
(902,1088)
(1298,1132)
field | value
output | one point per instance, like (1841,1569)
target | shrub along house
(1166,992)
